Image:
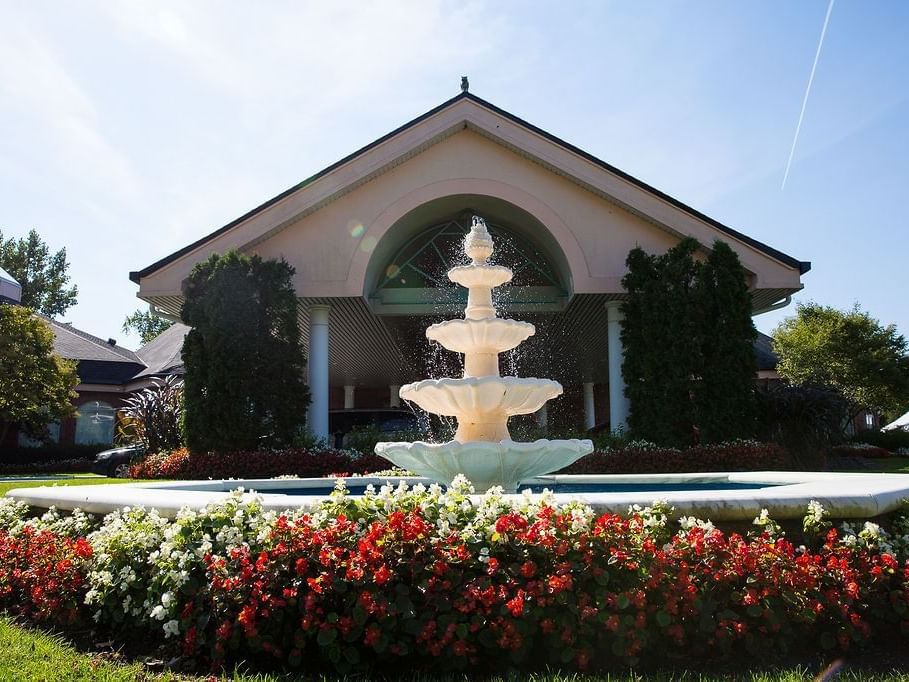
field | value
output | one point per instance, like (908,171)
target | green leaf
(326,636)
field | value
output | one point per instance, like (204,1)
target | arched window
(414,280)
(95,423)
(425,260)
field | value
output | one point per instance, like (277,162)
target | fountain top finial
(478,242)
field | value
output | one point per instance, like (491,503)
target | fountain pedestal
(482,401)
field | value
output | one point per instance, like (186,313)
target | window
(53,436)
(95,423)
(869,420)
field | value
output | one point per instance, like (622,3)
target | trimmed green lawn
(891,465)
(81,480)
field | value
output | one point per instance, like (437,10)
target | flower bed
(632,459)
(860,450)
(439,580)
(646,458)
(180,464)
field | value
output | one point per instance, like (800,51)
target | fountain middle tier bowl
(473,397)
(489,335)
(480,275)
(485,464)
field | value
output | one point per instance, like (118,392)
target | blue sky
(128,130)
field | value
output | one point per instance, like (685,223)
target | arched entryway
(377,342)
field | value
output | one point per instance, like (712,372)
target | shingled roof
(99,361)
(163,354)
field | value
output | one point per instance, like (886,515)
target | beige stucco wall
(332,246)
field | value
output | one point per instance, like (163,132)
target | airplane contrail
(798,127)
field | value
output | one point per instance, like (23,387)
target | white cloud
(55,118)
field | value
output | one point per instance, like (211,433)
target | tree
(41,275)
(659,334)
(689,362)
(725,394)
(146,324)
(36,384)
(848,351)
(244,384)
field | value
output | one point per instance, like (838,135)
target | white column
(619,407)
(349,392)
(394,399)
(590,415)
(318,370)
(542,416)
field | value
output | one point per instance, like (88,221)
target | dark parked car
(386,420)
(115,462)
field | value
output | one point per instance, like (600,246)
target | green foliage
(725,393)
(244,384)
(42,276)
(849,351)
(154,415)
(146,324)
(37,384)
(807,420)
(891,440)
(688,337)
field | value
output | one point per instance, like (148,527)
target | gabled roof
(163,354)
(99,361)
(10,289)
(801,266)
(75,344)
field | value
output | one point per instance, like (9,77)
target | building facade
(372,236)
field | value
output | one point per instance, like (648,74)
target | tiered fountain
(483,451)
(482,401)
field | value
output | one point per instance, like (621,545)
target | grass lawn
(82,479)
(891,465)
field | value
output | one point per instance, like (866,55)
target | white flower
(171,628)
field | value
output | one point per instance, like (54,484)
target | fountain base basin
(486,464)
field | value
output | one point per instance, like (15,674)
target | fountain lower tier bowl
(489,335)
(474,397)
(485,464)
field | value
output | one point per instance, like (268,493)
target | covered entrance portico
(372,236)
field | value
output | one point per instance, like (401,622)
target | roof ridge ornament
(465,84)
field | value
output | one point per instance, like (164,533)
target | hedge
(433,580)
(643,458)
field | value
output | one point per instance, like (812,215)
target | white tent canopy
(901,423)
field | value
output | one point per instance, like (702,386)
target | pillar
(318,370)
(394,398)
(619,407)
(349,392)
(590,416)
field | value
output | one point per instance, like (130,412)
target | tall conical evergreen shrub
(689,361)
(244,386)
(725,394)
(661,343)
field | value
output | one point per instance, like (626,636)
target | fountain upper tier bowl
(475,396)
(489,335)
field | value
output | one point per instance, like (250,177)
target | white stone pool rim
(844,495)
